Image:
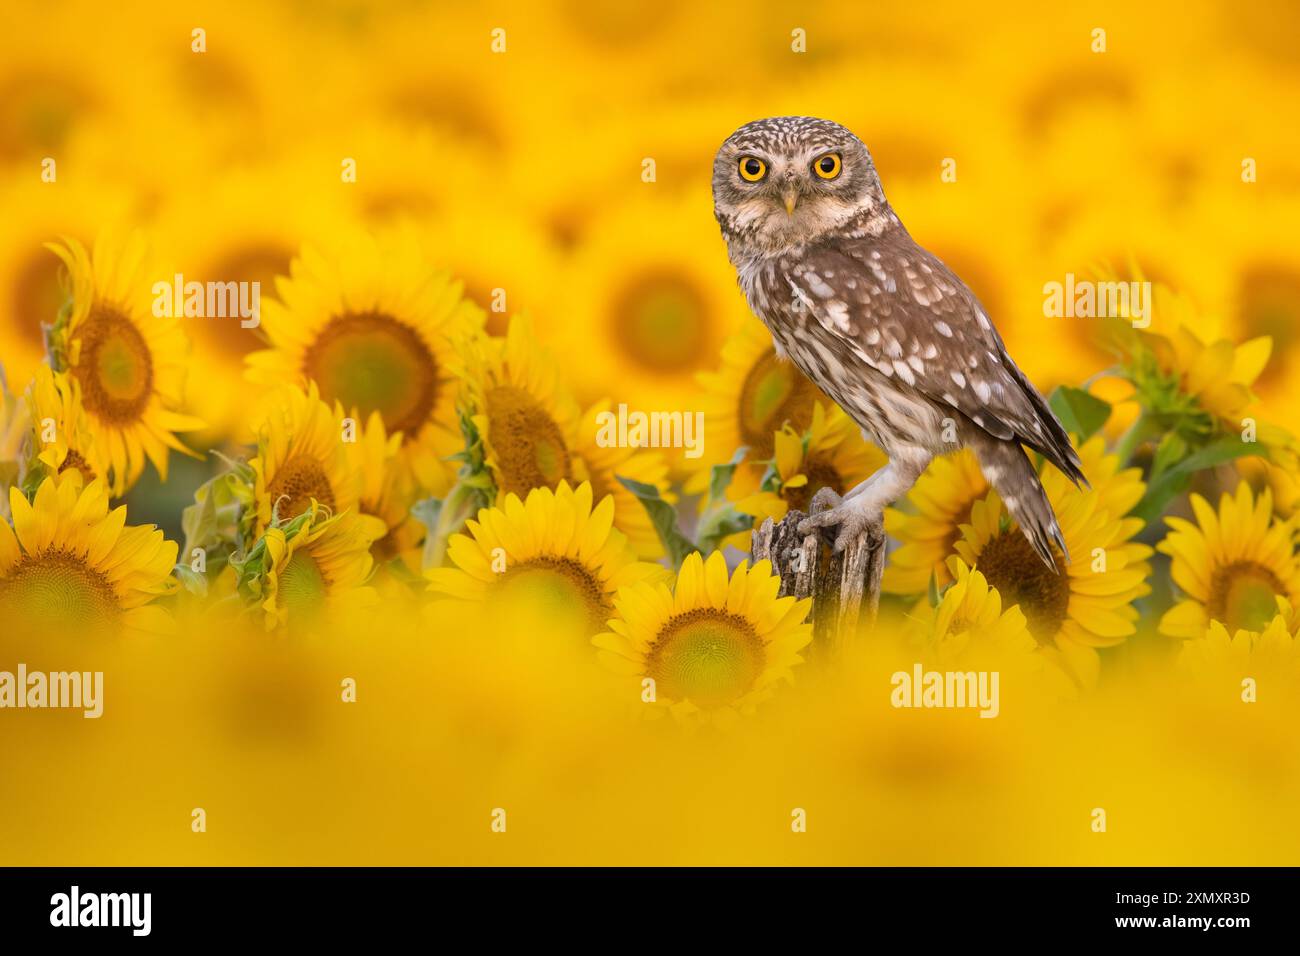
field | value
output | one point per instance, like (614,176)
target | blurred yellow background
(523,169)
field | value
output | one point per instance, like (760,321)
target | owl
(880,325)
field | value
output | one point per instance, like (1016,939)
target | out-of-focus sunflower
(255,220)
(31,292)
(644,318)
(714,645)
(1088,603)
(1270,655)
(1231,565)
(518,277)
(374,327)
(940,503)
(316,564)
(552,557)
(70,564)
(301,458)
(747,401)
(128,362)
(1254,285)
(832,454)
(61,434)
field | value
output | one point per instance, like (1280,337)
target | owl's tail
(1011,473)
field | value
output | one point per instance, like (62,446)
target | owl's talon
(826,499)
(852,521)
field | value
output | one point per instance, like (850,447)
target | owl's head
(789,180)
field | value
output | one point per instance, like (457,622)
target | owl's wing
(903,312)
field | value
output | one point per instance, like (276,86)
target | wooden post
(845,588)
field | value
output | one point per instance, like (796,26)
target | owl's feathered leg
(862,510)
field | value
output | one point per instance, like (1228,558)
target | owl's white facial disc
(787,181)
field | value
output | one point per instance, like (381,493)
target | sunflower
(1231,565)
(713,645)
(646,317)
(31,293)
(128,362)
(313,567)
(970,621)
(301,458)
(1088,603)
(61,434)
(1271,651)
(831,455)
(533,436)
(1203,386)
(70,564)
(552,557)
(747,402)
(527,420)
(940,502)
(374,328)
(387,491)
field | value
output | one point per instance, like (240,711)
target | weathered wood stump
(845,587)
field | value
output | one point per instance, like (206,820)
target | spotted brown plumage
(880,324)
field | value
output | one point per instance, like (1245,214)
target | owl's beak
(791,199)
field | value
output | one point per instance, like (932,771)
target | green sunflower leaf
(1082,413)
(719,524)
(1177,478)
(720,475)
(664,518)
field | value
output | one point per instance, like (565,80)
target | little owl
(879,324)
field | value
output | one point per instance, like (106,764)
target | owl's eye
(752,169)
(828,166)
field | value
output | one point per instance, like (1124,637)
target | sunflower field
(325,331)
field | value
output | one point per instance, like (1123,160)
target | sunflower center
(1243,596)
(74,460)
(660,321)
(559,591)
(528,444)
(1012,566)
(821,474)
(706,656)
(57,589)
(299,480)
(259,263)
(372,362)
(303,586)
(37,295)
(774,393)
(115,368)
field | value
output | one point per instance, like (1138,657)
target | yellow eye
(752,169)
(828,166)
